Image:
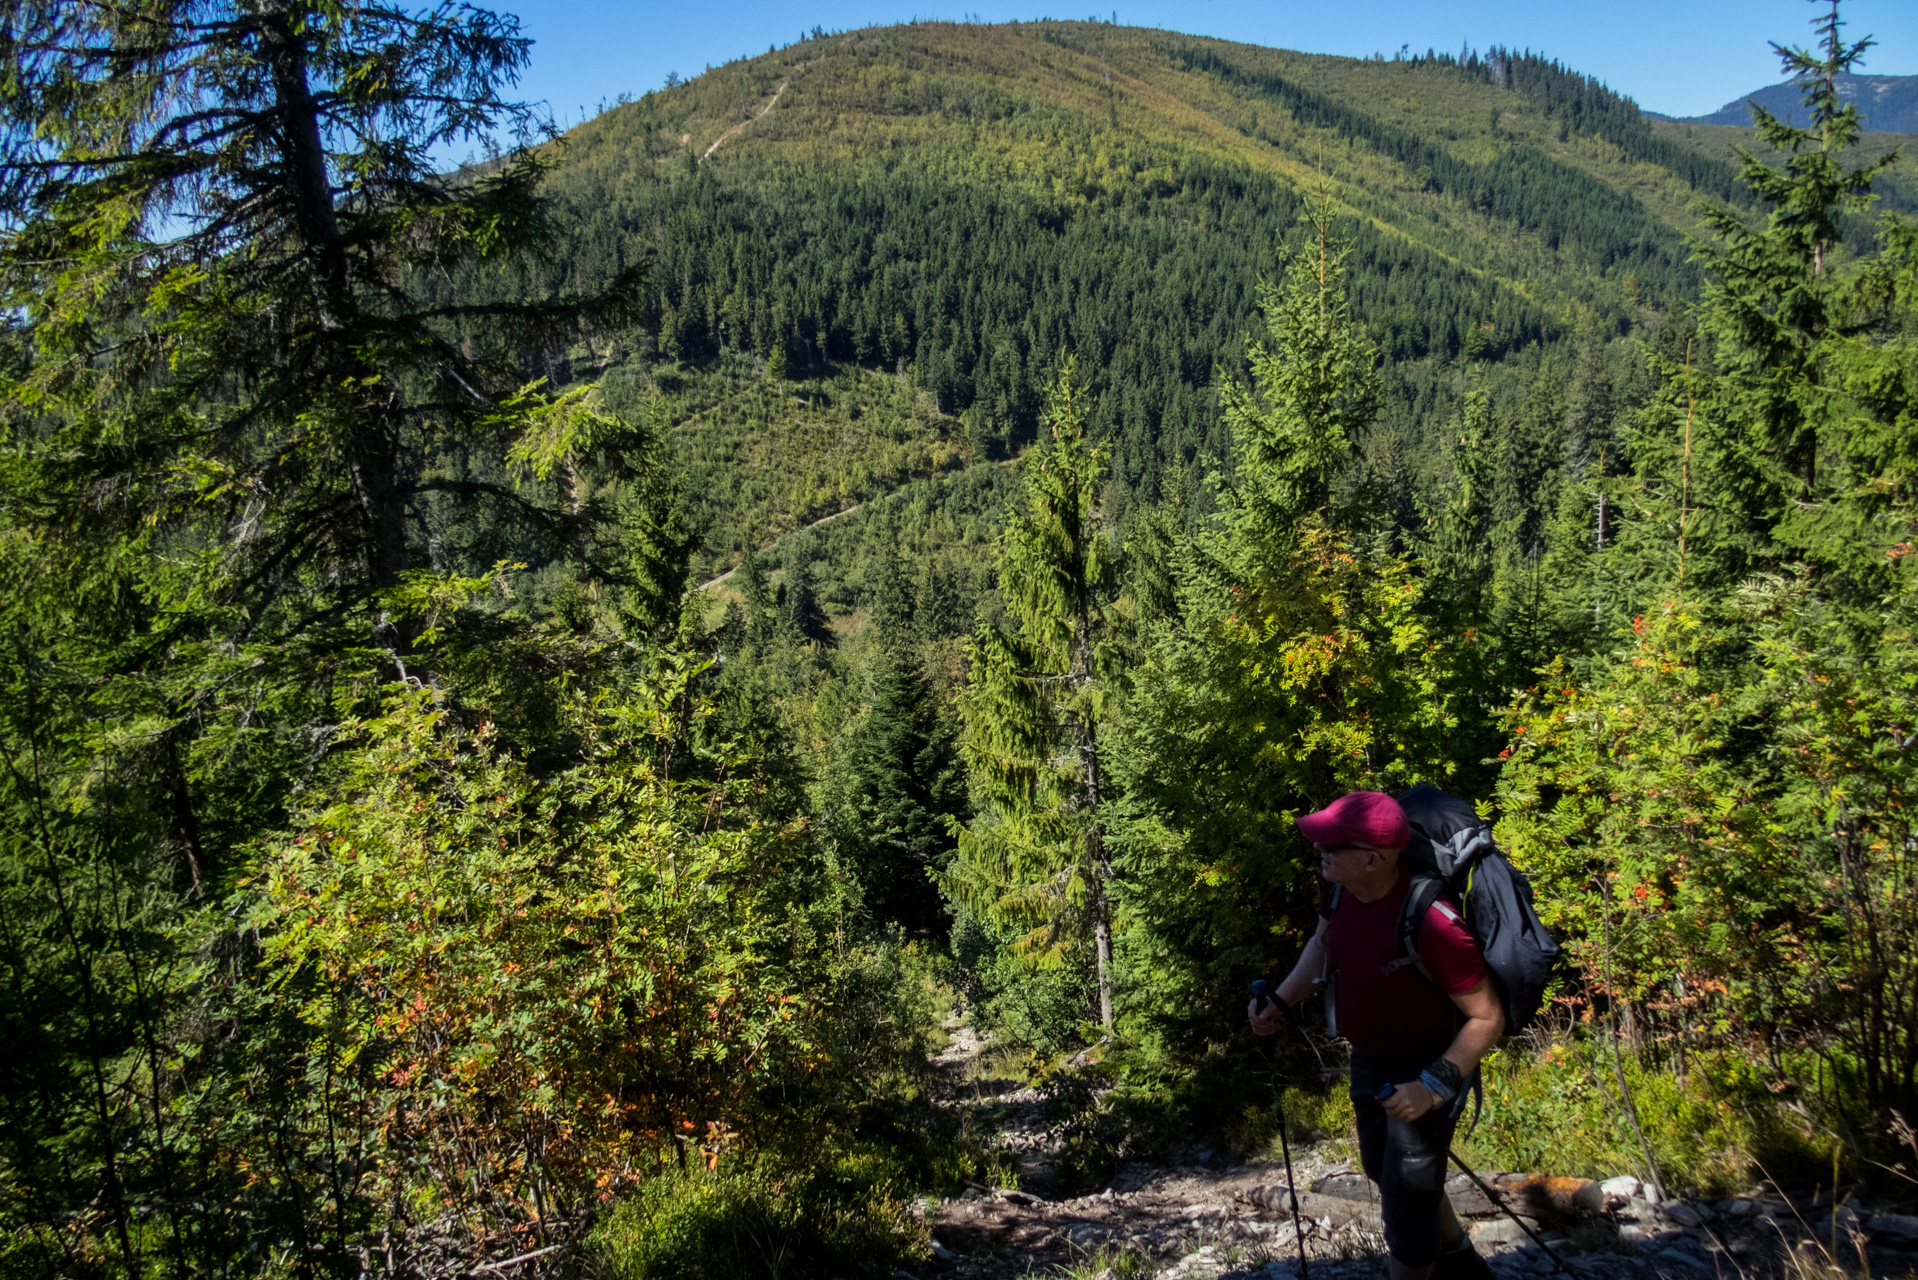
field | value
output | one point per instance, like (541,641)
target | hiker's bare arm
(1311,967)
(1296,987)
(1484,1023)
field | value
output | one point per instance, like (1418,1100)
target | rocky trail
(1196,1216)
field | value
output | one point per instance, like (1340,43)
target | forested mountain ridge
(969,201)
(1091,117)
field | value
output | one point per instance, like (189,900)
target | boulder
(1638,1209)
(1346,1186)
(1684,1253)
(1500,1231)
(1625,1186)
(1685,1215)
(1847,1220)
(1896,1229)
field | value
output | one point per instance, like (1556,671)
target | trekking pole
(1499,1200)
(1259,994)
(1387,1090)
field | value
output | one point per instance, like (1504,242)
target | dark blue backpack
(1452,853)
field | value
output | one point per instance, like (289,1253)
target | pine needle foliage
(1718,808)
(1036,704)
(1316,389)
(1297,664)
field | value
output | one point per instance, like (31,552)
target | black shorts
(1406,1161)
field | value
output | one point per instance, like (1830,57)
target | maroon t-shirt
(1389,1015)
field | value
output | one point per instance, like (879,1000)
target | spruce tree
(1035,708)
(1458,551)
(908,789)
(1530,457)
(1314,390)
(248,410)
(1589,404)
(262,353)
(1291,664)
(1457,598)
(907,785)
(1795,437)
(1313,615)
(804,617)
(890,603)
(755,601)
(939,600)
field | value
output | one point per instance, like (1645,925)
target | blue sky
(1681,57)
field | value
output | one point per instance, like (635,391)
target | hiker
(1423,1032)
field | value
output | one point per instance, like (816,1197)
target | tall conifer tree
(1035,708)
(908,787)
(1295,664)
(232,379)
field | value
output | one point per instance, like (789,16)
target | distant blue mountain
(1889,103)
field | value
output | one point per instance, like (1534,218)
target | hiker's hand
(1408,1102)
(1265,1022)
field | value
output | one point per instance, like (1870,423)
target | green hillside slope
(959,204)
(1894,186)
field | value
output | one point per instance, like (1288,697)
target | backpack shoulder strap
(1419,898)
(1328,977)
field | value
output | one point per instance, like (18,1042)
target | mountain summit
(1889,103)
(958,204)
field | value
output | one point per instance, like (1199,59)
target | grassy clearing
(759,456)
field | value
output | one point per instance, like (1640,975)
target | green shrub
(1049,1011)
(758,1219)
(1716,1130)
(1319,1118)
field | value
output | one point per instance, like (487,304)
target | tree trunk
(373,460)
(1102,940)
(1095,854)
(303,152)
(372,450)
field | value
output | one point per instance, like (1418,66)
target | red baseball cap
(1361,817)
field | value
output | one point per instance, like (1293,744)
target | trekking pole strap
(1499,1200)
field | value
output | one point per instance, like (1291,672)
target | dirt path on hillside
(1191,1214)
(733,132)
(713,582)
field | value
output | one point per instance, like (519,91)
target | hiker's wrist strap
(1443,1078)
